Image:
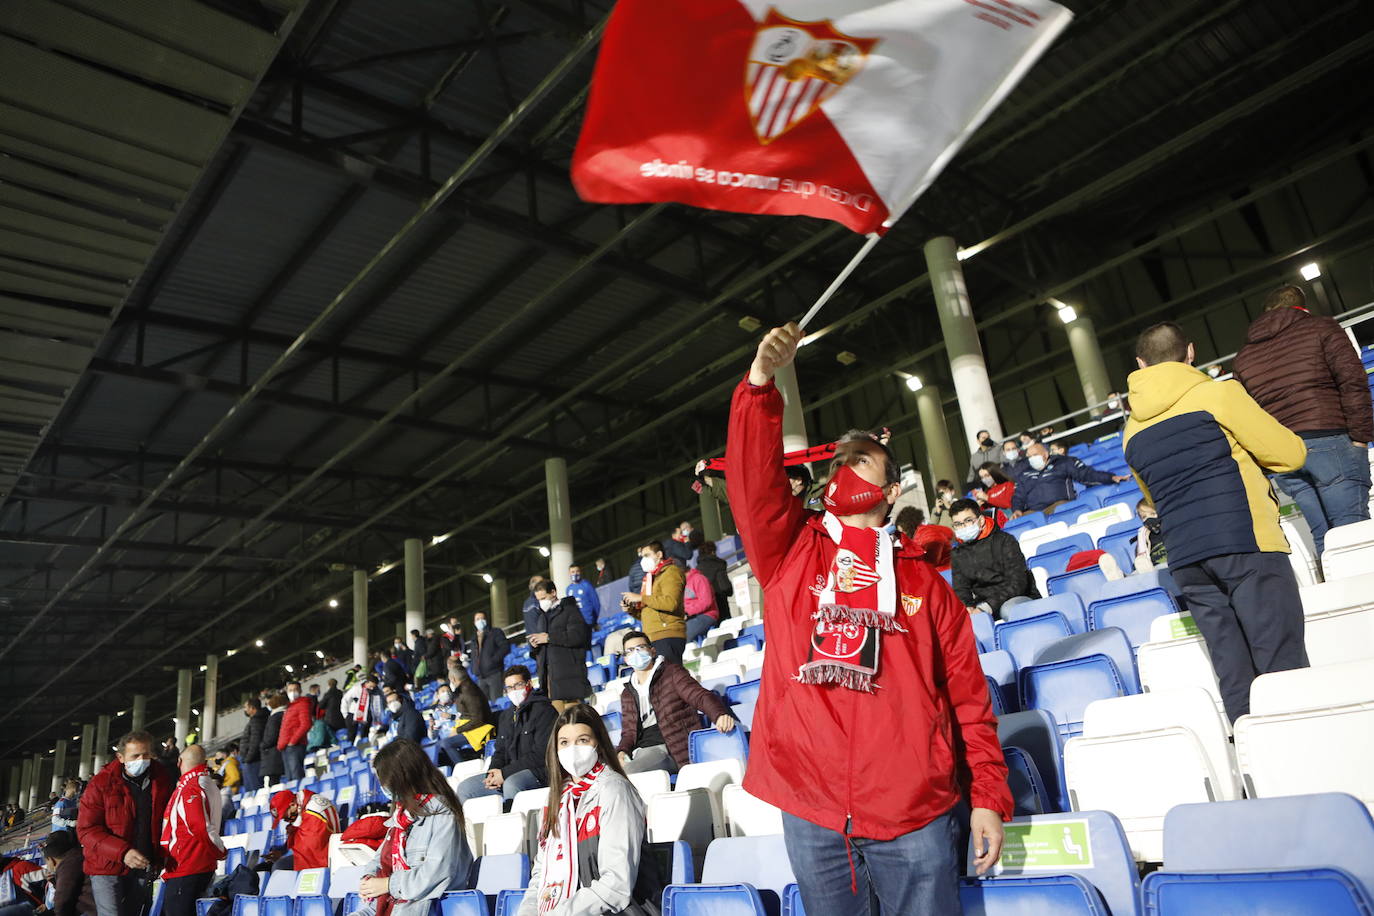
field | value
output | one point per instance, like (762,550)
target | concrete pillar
(26,783)
(183,713)
(210,711)
(971,385)
(1087,358)
(84,769)
(59,764)
(13,790)
(794,437)
(415,588)
(101,753)
(138,719)
(499,615)
(560,522)
(360,617)
(36,784)
(936,433)
(712,527)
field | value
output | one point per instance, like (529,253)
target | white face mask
(577,759)
(518,695)
(967,533)
(1010,455)
(987,481)
(1037,462)
(293,695)
(445,699)
(394,706)
(686,532)
(548,603)
(480,624)
(639,659)
(136,768)
(647,564)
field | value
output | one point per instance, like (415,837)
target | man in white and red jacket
(191,842)
(874,719)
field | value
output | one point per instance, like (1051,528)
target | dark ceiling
(377,306)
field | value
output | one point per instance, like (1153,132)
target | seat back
(313,882)
(758,860)
(1000,669)
(1053,562)
(1064,689)
(497,873)
(344,879)
(741,692)
(1025,639)
(1111,642)
(1086,583)
(463,903)
(1070,605)
(712,900)
(708,744)
(1029,793)
(281,884)
(1121,545)
(646,784)
(983,632)
(1032,537)
(507,902)
(1306,892)
(1311,688)
(1061,895)
(1078,542)
(1068,511)
(746,815)
(711,774)
(1133,613)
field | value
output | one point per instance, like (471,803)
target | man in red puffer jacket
(190,835)
(873,719)
(119,823)
(295,729)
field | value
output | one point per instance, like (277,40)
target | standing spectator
(714,569)
(699,603)
(561,648)
(530,610)
(364,708)
(1303,370)
(425,852)
(1046,482)
(1217,511)
(986,452)
(858,819)
(250,744)
(419,652)
(64,810)
(169,754)
(588,601)
(987,566)
(679,545)
(453,637)
(331,706)
(295,730)
(191,841)
(407,719)
(659,707)
(395,673)
(270,763)
(487,651)
(119,824)
(72,894)
(311,819)
(435,655)
(522,738)
(659,602)
(604,576)
(230,770)
(637,571)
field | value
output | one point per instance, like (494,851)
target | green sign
(309,885)
(1046,845)
(1097,515)
(1182,626)
(345,796)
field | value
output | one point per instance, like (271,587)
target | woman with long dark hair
(995,491)
(425,852)
(590,846)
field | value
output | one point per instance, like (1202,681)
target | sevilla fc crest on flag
(839,109)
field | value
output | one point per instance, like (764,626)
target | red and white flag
(839,109)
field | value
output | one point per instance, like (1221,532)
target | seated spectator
(588,601)
(426,851)
(311,820)
(659,708)
(1013,462)
(522,740)
(945,495)
(458,723)
(658,605)
(987,566)
(65,808)
(28,882)
(72,894)
(1057,448)
(1149,540)
(1046,482)
(996,488)
(594,828)
(561,649)
(231,775)
(930,542)
(699,601)
(406,721)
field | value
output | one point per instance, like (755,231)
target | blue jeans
(293,762)
(121,895)
(252,775)
(1332,487)
(914,875)
(514,784)
(698,625)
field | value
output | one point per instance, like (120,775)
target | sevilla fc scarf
(393,858)
(857,603)
(560,852)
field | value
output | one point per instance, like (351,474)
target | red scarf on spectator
(393,857)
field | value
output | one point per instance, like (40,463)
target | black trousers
(179,895)
(1246,606)
(670,648)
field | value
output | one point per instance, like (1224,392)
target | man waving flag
(839,109)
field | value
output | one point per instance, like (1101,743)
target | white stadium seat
(1349,550)
(475,813)
(503,834)
(746,815)
(693,811)
(1034,537)
(1339,625)
(1167,662)
(650,783)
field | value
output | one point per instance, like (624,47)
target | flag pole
(862,253)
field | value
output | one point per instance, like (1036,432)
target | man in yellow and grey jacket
(1200,450)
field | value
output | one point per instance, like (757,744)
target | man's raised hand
(777,349)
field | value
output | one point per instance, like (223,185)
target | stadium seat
(1018,526)
(1089,845)
(245,905)
(1054,562)
(1121,546)
(712,900)
(312,882)
(475,813)
(1139,756)
(313,906)
(760,861)
(744,712)
(1030,795)
(693,811)
(1031,538)
(709,744)
(497,873)
(647,784)
(792,902)
(1095,523)
(719,684)
(1072,509)
(1046,895)
(1086,583)
(343,880)
(745,690)
(1070,605)
(1305,892)
(1132,613)
(1024,639)
(462,903)
(507,902)
(1000,669)
(1075,541)
(983,631)
(1110,641)
(1339,620)
(996,701)
(1064,689)
(746,815)
(1349,550)
(503,834)
(1034,731)
(281,884)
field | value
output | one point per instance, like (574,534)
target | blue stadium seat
(721,684)
(1025,638)
(996,701)
(1025,522)
(1105,864)
(947,576)
(758,861)
(245,905)
(1096,494)
(1292,892)
(712,900)
(749,639)
(1000,669)
(1086,583)
(463,903)
(1130,526)
(1070,605)
(743,692)
(1128,496)
(596,675)
(1067,511)
(314,906)
(234,858)
(1048,895)
(281,884)
(351,901)
(507,902)
(1029,792)
(1064,689)
(497,873)
(792,902)
(709,744)
(1121,546)
(612,720)
(1078,541)
(1110,641)
(983,632)
(277,906)
(1054,562)
(1132,613)
(1142,581)
(1034,731)
(754,629)
(203,905)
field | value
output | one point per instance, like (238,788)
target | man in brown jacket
(659,602)
(1303,370)
(659,708)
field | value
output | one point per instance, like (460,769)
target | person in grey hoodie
(425,833)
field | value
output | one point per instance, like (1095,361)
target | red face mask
(849,494)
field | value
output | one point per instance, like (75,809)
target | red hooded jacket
(875,765)
(190,834)
(296,722)
(105,823)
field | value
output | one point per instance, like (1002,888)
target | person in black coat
(713,568)
(487,652)
(562,648)
(435,655)
(250,744)
(394,673)
(521,744)
(272,768)
(987,567)
(330,703)
(409,723)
